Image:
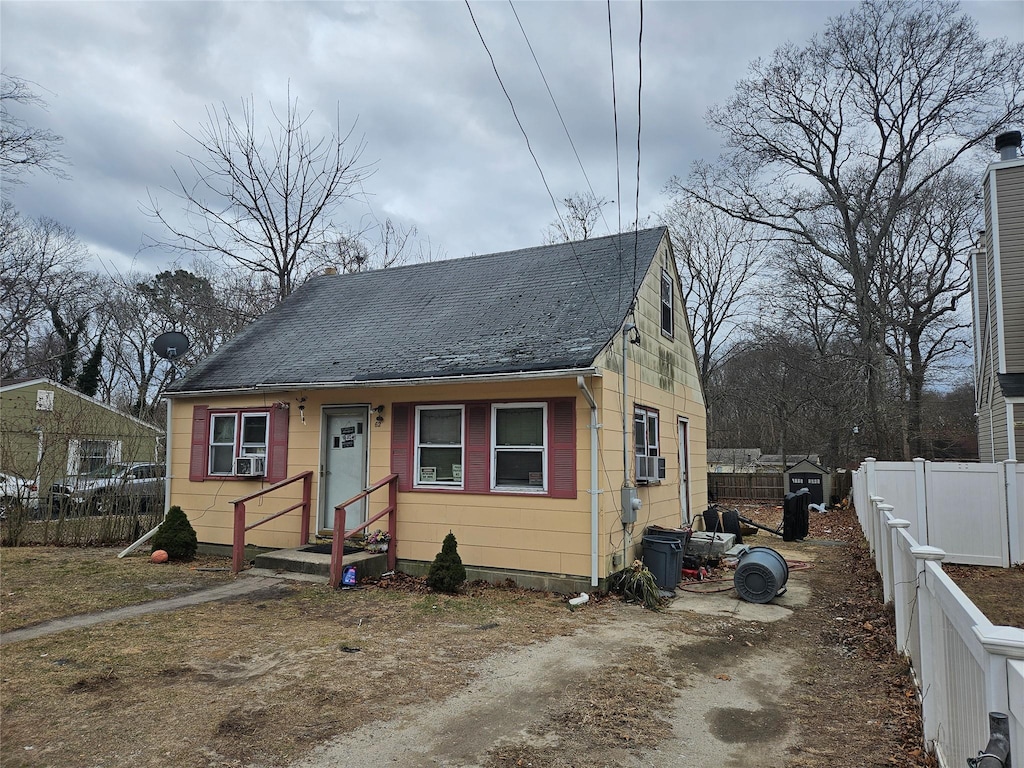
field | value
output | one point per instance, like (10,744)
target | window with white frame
(646,436)
(222,443)
(225,435)
(439,446)
(519,446)
(667,304)
(254,434)
(85,456)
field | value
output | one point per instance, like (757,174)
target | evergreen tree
(88,382)
(176,536)
(447,573)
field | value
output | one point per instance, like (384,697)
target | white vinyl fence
(965,667)
(973,512)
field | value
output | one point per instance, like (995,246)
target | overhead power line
(639,93)
(558,112)
(536,162)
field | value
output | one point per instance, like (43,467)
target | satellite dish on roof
(170,345)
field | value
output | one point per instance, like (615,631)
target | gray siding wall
(1010,208)
(985,452)
(1018,429)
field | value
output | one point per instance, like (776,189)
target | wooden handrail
(238,538)
(338,542)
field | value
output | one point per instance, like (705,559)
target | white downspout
(167,456)
(594,490)
(626,420)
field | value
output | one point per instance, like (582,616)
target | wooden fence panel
(745,486)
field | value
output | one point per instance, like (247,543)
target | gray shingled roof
(545,308)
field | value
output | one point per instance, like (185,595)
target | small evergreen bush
(176,536)
(447,571)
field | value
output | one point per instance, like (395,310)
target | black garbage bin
(663,557)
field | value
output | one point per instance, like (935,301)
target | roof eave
(483,378)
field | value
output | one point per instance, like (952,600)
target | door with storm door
(684,471)
(344,465)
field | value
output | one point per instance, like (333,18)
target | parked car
(103,489)
(16,490)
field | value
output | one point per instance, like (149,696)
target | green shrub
(447,573)
(176,536)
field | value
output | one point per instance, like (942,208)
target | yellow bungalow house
(492,386)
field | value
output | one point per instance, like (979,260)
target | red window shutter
(477,472)
(562,456)
(199,458)
(401,445)
(277,445)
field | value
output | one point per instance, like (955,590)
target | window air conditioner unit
(649,469)
(251,466)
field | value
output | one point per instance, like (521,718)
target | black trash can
(681,535)
(663,557)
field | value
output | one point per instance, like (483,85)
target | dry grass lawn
(260,678)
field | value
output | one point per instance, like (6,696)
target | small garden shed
(806,474)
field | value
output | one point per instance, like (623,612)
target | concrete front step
(286,561)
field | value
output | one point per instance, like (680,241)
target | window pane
(221,457)
(254,429)
(223,429)
(640,434)
(519,426)
(441,426)
(443,461)
(516,467)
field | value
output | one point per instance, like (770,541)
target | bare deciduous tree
(578,220)
(719,259)
(24,147)
(263,199)
(377,247)
(46,297)
(836,138)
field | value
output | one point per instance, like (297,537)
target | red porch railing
(340,534)
(238,540)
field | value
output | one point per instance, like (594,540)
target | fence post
(1000,644)
(921,500)
(1014,514)
(883,553)
(869,490)
(931,645)
(872,524)
(899,606)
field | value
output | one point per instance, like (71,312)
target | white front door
(684,471)
(344,465)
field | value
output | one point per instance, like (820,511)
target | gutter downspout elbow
(594,490)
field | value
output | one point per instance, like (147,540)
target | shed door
(809,480)
(344,467)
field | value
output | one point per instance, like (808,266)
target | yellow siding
(662,375)
(520,532)
(500,531)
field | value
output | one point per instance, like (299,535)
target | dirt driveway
(393,675)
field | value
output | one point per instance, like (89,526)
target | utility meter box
(630,505)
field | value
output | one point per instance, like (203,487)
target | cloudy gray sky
(124,79)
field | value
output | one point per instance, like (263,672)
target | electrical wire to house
(536,162)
